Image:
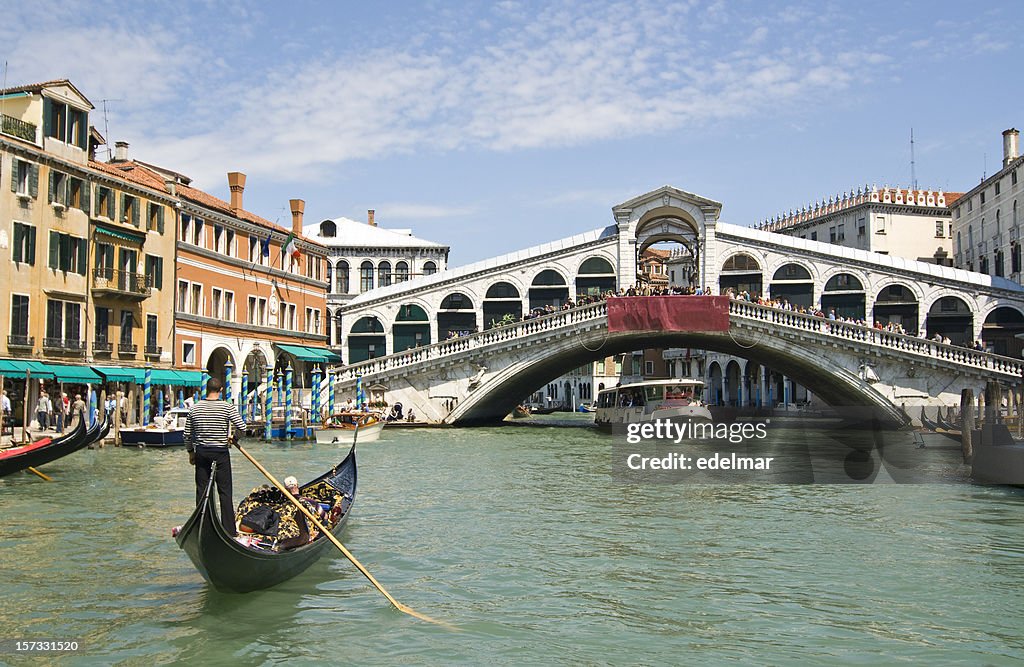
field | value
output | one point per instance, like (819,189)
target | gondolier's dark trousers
(205,457)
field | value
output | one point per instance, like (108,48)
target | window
(365,276)
(182,296)
(229,243)
(63,324)
(1015,257)
(155,271)
(130,210)
(401,272)
(881,225)
(102,325)
(155,218)
(188,353)
(58,188)
(981,200)
(262,312)
(151,334)
(67,253)
(1013,177)
(24,246)
(814,236)
(251,312)
(384,274)
(196,302)
(312,321)
(429,269)
(648,368)
(939,229)
(19,316)
(997,187)
(78,194)
(289,313)
(341,278)
(25,179)
(998,262)
(105,203)
(229,306)
(65,123)
(216,302)
(841,234)
(127,328)
(195,235)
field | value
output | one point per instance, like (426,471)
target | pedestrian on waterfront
(63,410)
(43,409)
(78,407)
(206,438)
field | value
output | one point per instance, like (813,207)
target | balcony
(16,127)
(114,282)
(102,347)
(18,341)
(64,345)
(153,351)
(128,349)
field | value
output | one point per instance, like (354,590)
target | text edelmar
(676,461)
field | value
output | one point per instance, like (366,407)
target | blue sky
(492,126)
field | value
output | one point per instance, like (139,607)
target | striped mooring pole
(93,407)
(268,404)
(330,392)
(228,367)
(181,398)
(160,401)
(314,400)
(288,401)
(206,380)
(147,387)
(243,394)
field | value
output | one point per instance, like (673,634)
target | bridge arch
(794,281)
(741,271)
(899,304)
(366,339)
(502,301)
(595,275)
(548,288)
(1001,326)
(845,294)
(951,315)
(456,316)
(411,328)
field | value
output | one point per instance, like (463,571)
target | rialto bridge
(401,336)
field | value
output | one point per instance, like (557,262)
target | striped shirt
(207,424)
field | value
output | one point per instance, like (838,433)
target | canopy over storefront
(319,355)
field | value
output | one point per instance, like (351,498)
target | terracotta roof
(130,171)
(38,87)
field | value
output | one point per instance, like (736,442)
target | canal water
(524,540)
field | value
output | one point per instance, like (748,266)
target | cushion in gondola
(262,519)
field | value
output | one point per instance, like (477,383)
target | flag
(291,248)
(265,247)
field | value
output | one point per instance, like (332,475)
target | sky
(495,126)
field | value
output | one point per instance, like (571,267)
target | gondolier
(206,438)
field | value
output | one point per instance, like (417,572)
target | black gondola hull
(234,568)
(79,438)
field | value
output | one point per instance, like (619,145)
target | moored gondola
(231,566)
(48,449)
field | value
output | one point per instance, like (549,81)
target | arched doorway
(793,283)
(741,273)
(217,363)
(731,390)
(951,317)
(1000,331)
(896,304)
(548,289)
(411,328)
(456,316)
(714,395)
(844,294)
(595,276)
(366,340)
(502,302)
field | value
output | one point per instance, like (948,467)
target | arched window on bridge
(595,277)
(328,229)
(456,317)
(1000,331)
(366,276)
(793,283)
(741,272)
(896,304)
(384,274)
(548,289)
(429,268)
(502,303)
(341,278)
(401,272)
(952,318)
(330,274)
(366,340)
(411,329)
(844,294)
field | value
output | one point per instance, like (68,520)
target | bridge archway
(595,276)
(1000,330)
(548,289)
(793,282)
(502,302)
(669,224)
(844,293)
(366,340)
(411,328)
(741,272)
(951,317)
(733,377)
(456,316)
(716,384)
(896,304)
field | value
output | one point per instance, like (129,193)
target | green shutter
(31,259)
(53,176)
(160,219)
(19,235)
(54,249)
(65,252)
(82,258)
(33,181)
(159,272)
(48,128)
(135,211)
(124,207)
(14,175)
(83,134)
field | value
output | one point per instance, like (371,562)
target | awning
(189,378)
(176,377)
(79,374)
(19,366)
(120,234)
(317,354)
(114,374)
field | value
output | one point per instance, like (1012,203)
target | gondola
(927,423)
(49,449)
(232,567)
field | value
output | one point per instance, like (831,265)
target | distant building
(915,224)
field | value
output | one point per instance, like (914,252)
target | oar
(31,469)
(341,547)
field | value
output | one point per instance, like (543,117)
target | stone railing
(508,332)
(872,336)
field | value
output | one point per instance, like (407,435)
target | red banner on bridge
(668,313)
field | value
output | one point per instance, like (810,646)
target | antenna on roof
(4,99)
(913,170)
(106,128)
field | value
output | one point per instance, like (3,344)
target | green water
(522,539)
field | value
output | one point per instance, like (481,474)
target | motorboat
(167,430)
(341,428)
(676,400)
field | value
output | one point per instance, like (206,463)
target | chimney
(1010,150)
(236,181)
(369,218)
(121,151)
(298,206)
(170,186)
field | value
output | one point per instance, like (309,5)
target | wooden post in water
(966,424)
(101,412)
(3,415)
(131,408)
(1020,417)
(117,417)
(24,423)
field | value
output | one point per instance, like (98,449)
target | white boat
(165,431)
(678,399)
(340,428)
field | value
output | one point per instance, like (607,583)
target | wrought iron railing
(122,281)
(17,340)
(16,127)
(153,350)
(101,346)
(127,348)
(68,345)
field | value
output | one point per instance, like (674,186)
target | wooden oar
(341,547)
(31,469)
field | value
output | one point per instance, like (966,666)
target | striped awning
(316,354)
(121,234)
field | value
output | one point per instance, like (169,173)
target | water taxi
(678,399)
